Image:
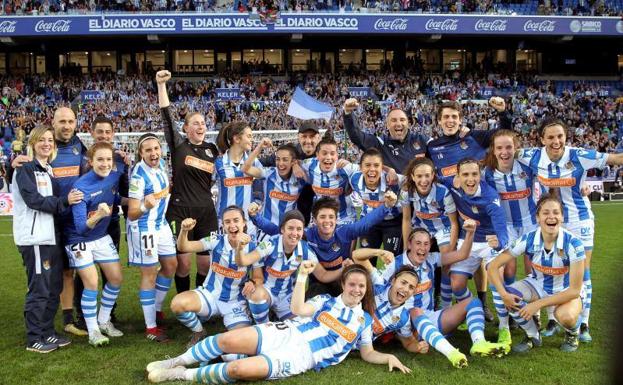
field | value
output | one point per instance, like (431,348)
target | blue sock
(429,333)
(203,351)
(162,288)
(213,374)
(259,310)
(500,308)
(462,294)
(586,304)
(109,297)
(446,292)
(148,300)
(475,320)
(190,320)
(88,302)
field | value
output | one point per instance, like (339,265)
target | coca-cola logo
(7,26)
(442,25)
(496,25)
(539,26)
(391,25)
(54,26)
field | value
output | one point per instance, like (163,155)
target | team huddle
(289,252)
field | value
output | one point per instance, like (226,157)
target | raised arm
(353,230)
(183,244)
(247,166)
(262,223)
(242,258)
(469,225)
(298,306)
(359,139)
(363,256)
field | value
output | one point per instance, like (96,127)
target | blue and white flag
(305,107)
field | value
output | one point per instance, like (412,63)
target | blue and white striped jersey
(334,184)
(430,212)
(568,174)
(550,269)
(516,190)
(371,199)
(234,186)
(225,279)
(279,269)
(424,297)
(334,330)
(145,180)
(280,195)
(386,318)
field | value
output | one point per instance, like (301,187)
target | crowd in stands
(538,7)
(131,101)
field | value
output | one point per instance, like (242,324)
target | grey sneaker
(97,339)
(527,344)
(585,335)
(59,340)
(571,343)
(41,347)
(110,330)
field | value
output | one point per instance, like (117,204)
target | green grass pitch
(124,360)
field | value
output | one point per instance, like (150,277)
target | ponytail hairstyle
(225,137)
(367,302)
(490,160)
(553,195)
(327,139)
(408,184)
(141,140)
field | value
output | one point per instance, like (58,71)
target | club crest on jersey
(434,204)
(361,320)
(395,319)
(569,166)
(78,255)
(523,175)
(335,247)
(148,253)
(463,145)
(74,149)
(46,265)
(475,209)
(209,153)
(416,146)
(298,259)
(364,242)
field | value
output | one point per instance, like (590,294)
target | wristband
(302,278)
(143,208)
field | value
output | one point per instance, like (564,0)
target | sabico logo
(55,26)
(496,25)
(539,26)
(7,26)
(442,25)
(391,25)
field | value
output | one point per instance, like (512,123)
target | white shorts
(585,230)
(281,305)
(529,286)
(144,248)
(234,313)
(516,232)
(285,349)
(442,236)
(434,316)
(85,254)
(480,251)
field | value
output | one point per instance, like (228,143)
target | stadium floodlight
(435,37)
(7,40)
(153,39)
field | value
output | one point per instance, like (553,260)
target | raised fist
(162,76)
